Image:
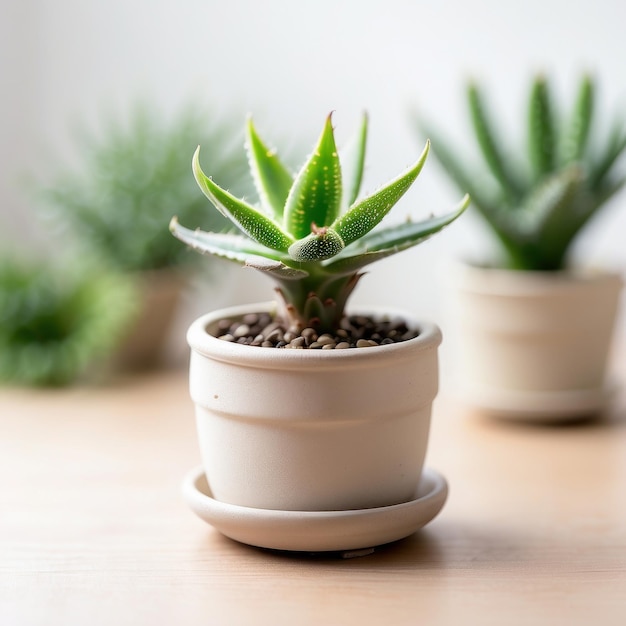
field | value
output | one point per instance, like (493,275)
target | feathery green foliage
(537,211)
(54,324)
(118,201)
(312,234)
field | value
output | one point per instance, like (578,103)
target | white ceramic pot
(534,344)
(312,430)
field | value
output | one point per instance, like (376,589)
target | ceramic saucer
(317,531)
(540,406)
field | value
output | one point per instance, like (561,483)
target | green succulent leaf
(225,245)
(463,179)
(315,196)
(272,179)
(550,203)
(609,190)
(366,214)
(393,239)
(588,204)
(344,266)
(276,268)
(615,147)
(541,133)
(353,164)
(317,246)
(577,132)
(486,137)
(247,218)
(409,231)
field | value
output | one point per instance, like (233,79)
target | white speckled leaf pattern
(271,178)
(316,193)
(251,221)
(367,213)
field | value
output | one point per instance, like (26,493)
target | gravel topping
(356,331)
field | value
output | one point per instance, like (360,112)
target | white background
(290,63)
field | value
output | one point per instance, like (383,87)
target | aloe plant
(538,207)
(312,234)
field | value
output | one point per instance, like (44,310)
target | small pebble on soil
(356,331)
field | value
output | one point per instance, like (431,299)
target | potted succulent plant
(535,329)
(117,202)
(324,411)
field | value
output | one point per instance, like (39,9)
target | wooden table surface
(93,529)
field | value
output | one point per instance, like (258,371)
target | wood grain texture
(93,529)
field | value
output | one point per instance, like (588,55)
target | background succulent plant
(55,324)
(538,207)
(312,234)
(118,200)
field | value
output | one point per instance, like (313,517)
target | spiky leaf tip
(271,178)
(577,132)
(315,196)
(366,214)
(486,137)
(353,163)
(541,131)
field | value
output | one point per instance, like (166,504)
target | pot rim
(202,342)
(492,279)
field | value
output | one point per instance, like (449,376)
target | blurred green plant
(132,176)
(54,324)
(536,207)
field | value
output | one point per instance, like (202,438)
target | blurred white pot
(312,430)
(158,297)
(534,345)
